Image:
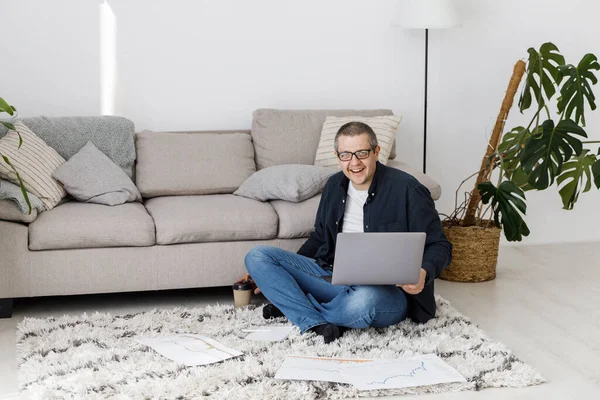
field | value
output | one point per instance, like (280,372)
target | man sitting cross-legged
(366,196)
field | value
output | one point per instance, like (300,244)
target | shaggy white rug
(95,356)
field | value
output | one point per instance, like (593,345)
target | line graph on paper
(411,374)
(190,349)
(421,370)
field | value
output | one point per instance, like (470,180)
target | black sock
(270,311)
(330,332)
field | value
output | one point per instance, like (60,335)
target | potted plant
(12,112)
(549,150)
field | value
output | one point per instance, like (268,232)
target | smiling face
(360,172)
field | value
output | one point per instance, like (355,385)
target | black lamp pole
(425,105)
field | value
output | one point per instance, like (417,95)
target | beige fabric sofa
(190,231)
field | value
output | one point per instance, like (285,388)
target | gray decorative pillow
(90,176)
(13,206)
(290,182)
(10,211)
(10,191)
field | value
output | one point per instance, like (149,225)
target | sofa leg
(6,306)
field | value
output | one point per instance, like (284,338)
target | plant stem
(501,172)
(539,99)
(459,186)
(591,141)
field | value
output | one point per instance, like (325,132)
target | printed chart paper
(190,350)
(420,370)
(316,369)
(269,333)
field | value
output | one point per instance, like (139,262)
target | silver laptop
(378,258)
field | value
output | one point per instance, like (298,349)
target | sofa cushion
(75,225)
(296,220)
(384,126)
(90,176)
(35,162)
(290,182)
(192,163)
(214,218)
(112,135)
(292,136)
(433,186)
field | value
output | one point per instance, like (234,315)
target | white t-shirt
(354,216)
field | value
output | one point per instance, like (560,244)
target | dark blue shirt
(396,202)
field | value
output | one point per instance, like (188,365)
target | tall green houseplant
(550,149)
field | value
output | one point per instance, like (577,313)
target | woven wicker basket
(475,253)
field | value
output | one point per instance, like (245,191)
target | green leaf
(596,172)
(576,173)
(510,149)
(577,89)
(545,152)
(542,71)
(21,185)
(521,179)
(5,107)
(513,141)
(508,203)
(8,125)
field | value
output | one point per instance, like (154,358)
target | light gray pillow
(12,192)
(90,176)
(13,206)
(10,211)
(290,182)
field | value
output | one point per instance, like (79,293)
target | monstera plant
(12,112)
(550,150)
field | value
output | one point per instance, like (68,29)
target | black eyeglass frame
(355,154)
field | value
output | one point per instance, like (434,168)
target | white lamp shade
(425,14)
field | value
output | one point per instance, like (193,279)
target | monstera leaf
(577,89)
(576,173)
(543,64)
(545,152)
(510,148)
(508,203)
(596,171)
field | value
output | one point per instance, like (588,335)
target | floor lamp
(425,14)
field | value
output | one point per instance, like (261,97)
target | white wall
(49,52)
(185,64)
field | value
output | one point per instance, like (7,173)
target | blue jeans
(295,285)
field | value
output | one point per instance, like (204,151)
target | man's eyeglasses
(360,154)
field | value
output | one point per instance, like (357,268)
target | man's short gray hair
(354,129)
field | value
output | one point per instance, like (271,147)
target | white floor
(544,304)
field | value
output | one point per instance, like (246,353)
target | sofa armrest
(14,262)
(433,186)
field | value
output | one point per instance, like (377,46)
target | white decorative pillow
(290,182)
(385,128)
(35,162)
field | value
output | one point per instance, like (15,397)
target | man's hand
(416,288)
(248,278)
